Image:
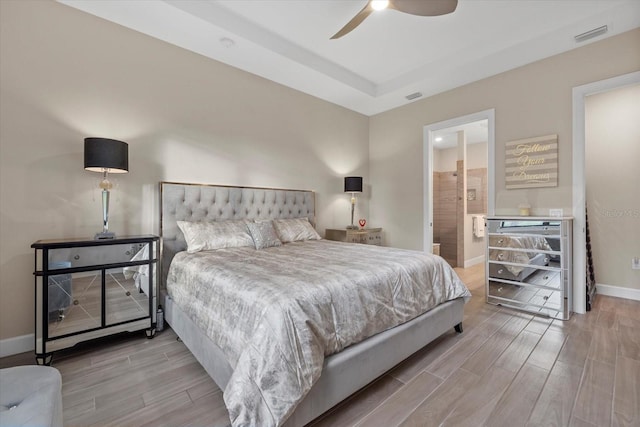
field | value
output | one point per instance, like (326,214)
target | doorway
(433,131)
(460,193)
(580,94)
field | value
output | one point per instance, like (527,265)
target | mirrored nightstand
(368,236)
(86,289)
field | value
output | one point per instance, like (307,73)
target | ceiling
(389,56)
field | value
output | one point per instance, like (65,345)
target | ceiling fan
(412,7)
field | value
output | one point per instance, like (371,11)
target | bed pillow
(295,229)
(263,234)
(202,236)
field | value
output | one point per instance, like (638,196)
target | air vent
(591,34)
(413,95)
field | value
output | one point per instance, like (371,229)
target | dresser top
(70,243)
(530,218)
(354,230)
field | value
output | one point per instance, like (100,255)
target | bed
(512,249)
(323,365)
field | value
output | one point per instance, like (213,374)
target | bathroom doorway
(458,183)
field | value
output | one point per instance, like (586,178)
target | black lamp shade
(353,184)
(106,155)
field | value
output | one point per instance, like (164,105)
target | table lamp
(353,185)
(106,156)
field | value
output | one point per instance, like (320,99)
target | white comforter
(277,312)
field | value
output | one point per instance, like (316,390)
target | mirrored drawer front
(92,255)
(543,301)
(374,238)
(74,301)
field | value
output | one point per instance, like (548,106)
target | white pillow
(295,229)
(264,235)
(202,236)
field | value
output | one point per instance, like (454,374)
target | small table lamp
(353,185)
(106,156)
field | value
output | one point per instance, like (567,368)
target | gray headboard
(202,202)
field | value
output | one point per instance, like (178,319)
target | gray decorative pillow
(202,236)
(295,229)
(264,235)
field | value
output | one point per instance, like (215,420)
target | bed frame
(343,373)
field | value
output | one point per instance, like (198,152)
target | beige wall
(533,100)
(612,156)
(445,159)
(66,75)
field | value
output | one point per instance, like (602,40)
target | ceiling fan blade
(424,7)
(355,21)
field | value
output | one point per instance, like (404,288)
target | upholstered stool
(30,396)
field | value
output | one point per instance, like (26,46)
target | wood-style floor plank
(595,397)
(441,402)
(394,410)
(626,399)
(359,405)
(518,400)
(507,368)
(476,405)
(555,403)
(629,337)
(604,345)
(546,352)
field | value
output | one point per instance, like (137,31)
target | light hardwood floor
(507,369)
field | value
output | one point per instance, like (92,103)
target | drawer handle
(500,256)
(546,277)
(127,253)
(500,240)
(77,257)
(500,271)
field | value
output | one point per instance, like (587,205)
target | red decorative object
(362,222)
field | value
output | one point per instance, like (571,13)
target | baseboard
(473,261)
(618,291)
(17,345)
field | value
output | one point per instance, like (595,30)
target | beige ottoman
(30,396)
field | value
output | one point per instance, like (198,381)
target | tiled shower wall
(445,216)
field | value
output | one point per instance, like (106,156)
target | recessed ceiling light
(438,138)
(227,42)
(413,95)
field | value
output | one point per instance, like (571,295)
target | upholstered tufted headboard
(201,202)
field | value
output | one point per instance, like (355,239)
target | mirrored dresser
(86,289)
(529,264)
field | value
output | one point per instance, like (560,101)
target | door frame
(579,179)
(427,168)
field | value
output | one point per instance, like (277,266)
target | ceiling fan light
(379,4)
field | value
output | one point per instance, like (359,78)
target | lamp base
(352,227)
(105,235)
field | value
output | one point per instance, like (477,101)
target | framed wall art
(532,162)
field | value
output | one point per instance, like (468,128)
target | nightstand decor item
(353,185)
(106,156)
